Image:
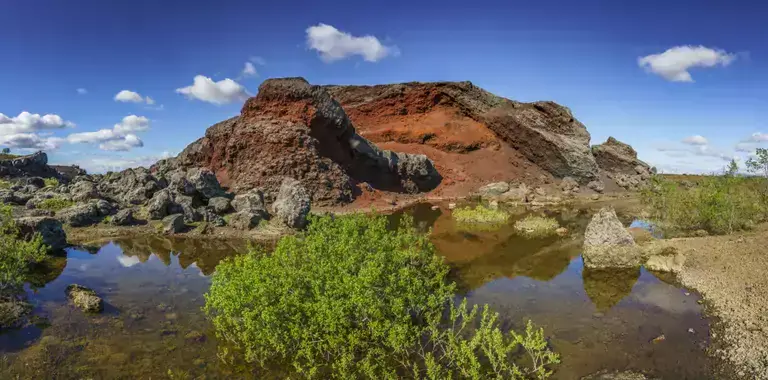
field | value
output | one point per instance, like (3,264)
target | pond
(153,290)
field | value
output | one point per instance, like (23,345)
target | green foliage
(717,204)
(16,254)
(351,298)
(535,226)
(480,214)
(51,182)
(55,204)
(759,163)
(6,150)
(5,184)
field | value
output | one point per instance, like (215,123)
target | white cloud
(111,162)
(120,138)
(30,141)
(128,261)
(249,70)
(758,137)
(333,44)
(221,92)
(258,60)
(674,63)
(82,91)
(128,96)
(695,140)
(28,122)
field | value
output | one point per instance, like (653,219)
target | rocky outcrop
(293,129)
(33,165)
(84,298)
(80,215)
(457,117)
(619,162)
(50,230)
(173,224)
(607,244)
(123,218)
(244,220)
(292,204)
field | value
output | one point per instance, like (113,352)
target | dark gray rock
(173,224)
(84,298)
(221,205)
(79,215)
(211,217)
(159,204)
(13,313)
(50,230)
(250,201)
(35,181)
(9,197)
(244,220)
(84,191)
(123,218)
(204,182)
(103,207)
(292,204)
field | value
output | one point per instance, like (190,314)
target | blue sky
(685,110)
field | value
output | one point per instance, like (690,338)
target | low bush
(51,182)
(5,184)
(16,254)
(480,214)
(535,226)
(55,204)
(717,204)
(350,298)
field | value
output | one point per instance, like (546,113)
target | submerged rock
(607,244)
(49,228)
(85,298)
(667,260)
(292,204)
(13,313)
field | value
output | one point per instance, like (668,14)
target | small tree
(732,169)
(6,150)
(759,163)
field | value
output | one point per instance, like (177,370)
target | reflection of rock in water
(606,287)
(46,271)
(205,253)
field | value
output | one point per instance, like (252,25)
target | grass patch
(51,182)
(719,204)
(535,226)
(352,299)
(480,214)
(5,184)
(55,204)
(8,156)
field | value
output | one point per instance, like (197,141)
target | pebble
(692,331)
(451,206)
(659,339)
(687,294)
(434,208)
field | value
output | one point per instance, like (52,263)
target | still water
(153,291)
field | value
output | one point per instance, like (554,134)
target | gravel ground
(731,273)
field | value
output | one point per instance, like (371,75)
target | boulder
(13,313)
(204,182)
(244,220)
(607,244)
(35,181)
(9,197)
(292,204)
(103,208)
(211,217)
(49,229)
(667,259)
(79,215)
(250,201)
(159,204)
(619,161)
(130,187)
(222,205)
(83,191)
(179,183)
(596,186)
(493,189)
(518,194)
(123,218)
(33,165)
(173,224)
(84,298)
(569,184)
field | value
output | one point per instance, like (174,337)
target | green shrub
(535,226)
(16,254)
(480,214)
(352,299)
(51,182)
(717,204)
(55,204)
(5,184)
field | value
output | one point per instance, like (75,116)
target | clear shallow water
(153,291)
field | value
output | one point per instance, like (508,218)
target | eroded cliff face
(293,129)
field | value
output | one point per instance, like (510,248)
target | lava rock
(85,298)
(607,244)
(244,220)
(292,204)
(173,224)
(222,205)
(123,218)
(50,230)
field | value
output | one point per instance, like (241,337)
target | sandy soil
(731,273)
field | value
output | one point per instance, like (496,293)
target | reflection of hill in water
(205,253)
(606,287)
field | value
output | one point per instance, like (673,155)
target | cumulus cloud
(758,137)
(27,122)
(221,92)
(258,60)
(333,44)
(695,140)
(121,137)
(82,91)
(249,70)
(128,96)
(674,63)
(30,141)
(114,162)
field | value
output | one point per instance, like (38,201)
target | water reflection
(606,287)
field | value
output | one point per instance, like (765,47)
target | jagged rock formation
(33,165)
(458,117)
(296,130)
(619,162)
